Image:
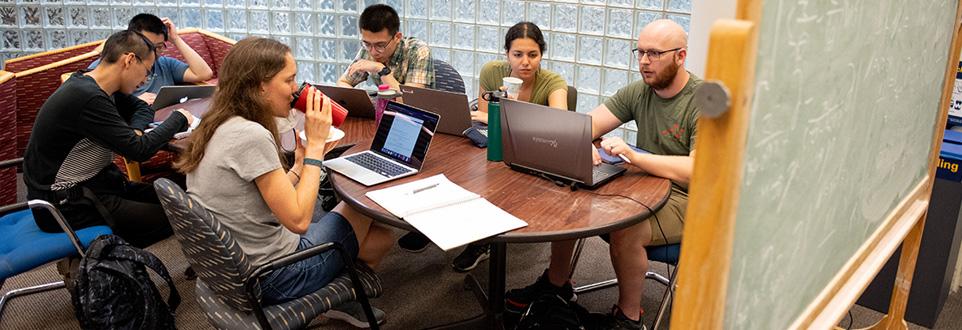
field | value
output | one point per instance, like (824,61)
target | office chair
(23,246)
(446,78)
(667,254)
(228,287)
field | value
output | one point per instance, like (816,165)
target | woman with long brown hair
(235,169)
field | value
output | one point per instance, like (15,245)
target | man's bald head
(662,50)
(665,33)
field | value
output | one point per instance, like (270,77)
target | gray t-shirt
(223,182)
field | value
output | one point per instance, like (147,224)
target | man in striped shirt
(68,161)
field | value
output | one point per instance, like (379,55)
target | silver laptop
(170,95)
(551,143)
(398,150)
(452,106)
(355,100)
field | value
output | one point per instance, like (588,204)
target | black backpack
(112,289)
(550,311)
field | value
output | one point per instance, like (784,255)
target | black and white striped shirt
(80,127)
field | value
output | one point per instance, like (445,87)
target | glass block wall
(589,41)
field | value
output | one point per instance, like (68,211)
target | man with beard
(662,106)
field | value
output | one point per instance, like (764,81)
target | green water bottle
(494,125)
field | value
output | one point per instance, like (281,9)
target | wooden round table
(552,212)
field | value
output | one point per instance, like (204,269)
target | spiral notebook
(449,215)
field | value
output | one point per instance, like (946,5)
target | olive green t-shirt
(665,126)
(545,81)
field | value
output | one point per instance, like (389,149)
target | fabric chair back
(446,78)
(209,247)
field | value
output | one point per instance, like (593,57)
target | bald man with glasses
(662,106)
(386,56)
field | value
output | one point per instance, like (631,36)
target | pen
(415,191)
(623,157)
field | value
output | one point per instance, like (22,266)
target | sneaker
(616,320)
(516,301)
(413,242)
(352,313)
(471,257)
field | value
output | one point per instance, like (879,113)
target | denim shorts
(312,274)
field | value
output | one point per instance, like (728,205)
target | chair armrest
(38,203)
(281,262)
(11,162)
(284,261)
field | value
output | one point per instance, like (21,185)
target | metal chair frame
(34,204)
(668,282)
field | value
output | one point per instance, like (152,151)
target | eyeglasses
(150,70)
(379,47)
(653,55)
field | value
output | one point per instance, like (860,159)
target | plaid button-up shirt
(411,63)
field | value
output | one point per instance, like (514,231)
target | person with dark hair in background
(166,71)
(386,56)
(524,46)
(68,161)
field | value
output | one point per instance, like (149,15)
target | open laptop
(452,106)
(545,141)
(398,150)
(355,100)
(170,95)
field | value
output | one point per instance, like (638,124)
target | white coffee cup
(512,86)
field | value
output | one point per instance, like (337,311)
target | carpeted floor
(421,290)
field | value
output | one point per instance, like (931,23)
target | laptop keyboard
(483,131)
(377,164)
(599,172)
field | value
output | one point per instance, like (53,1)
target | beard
(663,79)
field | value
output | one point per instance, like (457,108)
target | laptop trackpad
(355,172)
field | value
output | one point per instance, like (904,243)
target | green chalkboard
(845,105)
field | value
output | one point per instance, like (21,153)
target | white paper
(456,225)
(446,213)
(401,200)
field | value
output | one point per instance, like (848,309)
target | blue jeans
(312,274)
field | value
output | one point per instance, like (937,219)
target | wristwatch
(385,71)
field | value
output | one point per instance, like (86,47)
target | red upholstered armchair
(8,136)
(37,76)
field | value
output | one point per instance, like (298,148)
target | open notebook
(446,213)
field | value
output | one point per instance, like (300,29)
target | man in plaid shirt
(386,57)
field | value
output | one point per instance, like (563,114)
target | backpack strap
(126,252)
(102,245)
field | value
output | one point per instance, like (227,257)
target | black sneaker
(516,301)
(616,320)
(471,257)
(413,242)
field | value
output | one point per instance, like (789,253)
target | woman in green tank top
(524,45)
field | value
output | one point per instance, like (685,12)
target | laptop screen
(404,134)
